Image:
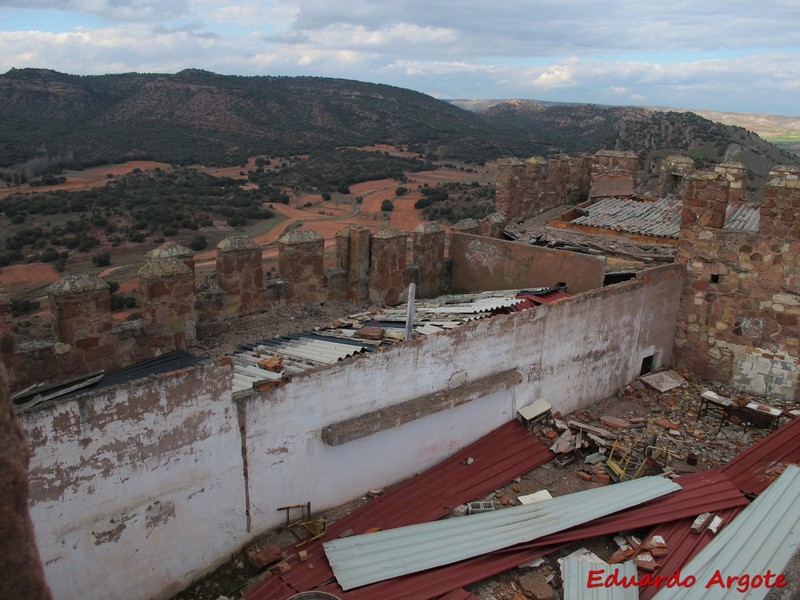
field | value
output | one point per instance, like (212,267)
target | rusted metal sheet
(497,458)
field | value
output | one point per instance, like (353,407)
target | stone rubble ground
(648,410)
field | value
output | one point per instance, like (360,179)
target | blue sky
(732,55)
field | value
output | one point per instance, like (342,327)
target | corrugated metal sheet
(329,345)
(660,218)
(742,217)
(364,559)
(575,574)
(764,536)
(705,491)
(683,544)
(498,457)
(748,469)
(459,594)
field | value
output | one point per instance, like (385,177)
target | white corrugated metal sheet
(575,574)
(764,536)
(364,559)
(328,345)
(742,217)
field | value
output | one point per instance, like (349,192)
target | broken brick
(585,476)
(370,333)
(274,364)
(645,561)
(266,556)
(665,423)
(614,422)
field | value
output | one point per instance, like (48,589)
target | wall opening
(714,279)
(647,364)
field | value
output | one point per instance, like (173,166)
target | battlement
(531,187)
(86,338)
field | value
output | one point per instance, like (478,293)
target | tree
(102,260)
(387,206)
(400,191)
(198,242)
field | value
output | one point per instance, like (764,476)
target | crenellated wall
(739,320)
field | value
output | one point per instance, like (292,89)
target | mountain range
(53,119)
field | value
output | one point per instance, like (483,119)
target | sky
(731,55)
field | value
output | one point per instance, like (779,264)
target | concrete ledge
(411,410)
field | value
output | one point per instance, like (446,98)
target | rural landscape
(225,298)
(95,171)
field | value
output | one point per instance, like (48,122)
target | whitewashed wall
(571,353)
(137,490)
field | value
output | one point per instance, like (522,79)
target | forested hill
(200,117)
(50,119)
(651,134)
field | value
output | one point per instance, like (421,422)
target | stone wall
(530,188)
(480,263)
(740,309)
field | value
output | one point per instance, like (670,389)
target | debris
(656,545)
(370,333)
(274,364)
(700,522)
(614,422)
(535,586)
(373,493)
(480,506)
(268,555)
(585,476)
(663,381)
(645,561)
(595,458)
(715,524)
(539,496)
(469,460)
(665,423)
(595,430)
(565,443)
(281,568)
(537,562)
(302,555)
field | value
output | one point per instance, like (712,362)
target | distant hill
(50,119)
(651,134)
(200,117)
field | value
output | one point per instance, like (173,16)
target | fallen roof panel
(763,537)
(683,544)
(497,458)
(749,469)
(578,572)
(364,559)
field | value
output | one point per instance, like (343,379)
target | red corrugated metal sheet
(706,491)
(748,469)
(531,301)
(497,458)
(682,545)
(459,594)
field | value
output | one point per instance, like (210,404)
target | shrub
(198,242)
(387,206)
(102,260)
